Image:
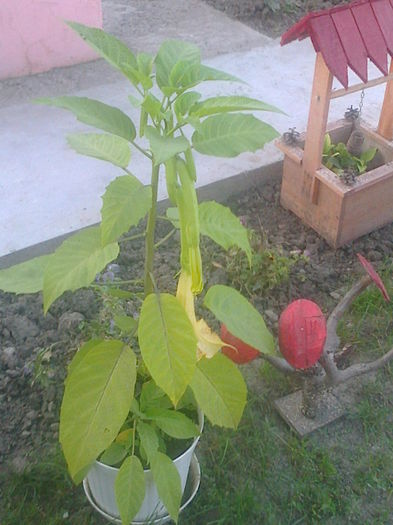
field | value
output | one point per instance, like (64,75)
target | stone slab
(289,408)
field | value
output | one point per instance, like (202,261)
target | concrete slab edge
(219,191)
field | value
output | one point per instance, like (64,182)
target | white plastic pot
(100,482)
(192,485)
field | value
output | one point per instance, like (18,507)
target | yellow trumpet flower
(209,342)
(187,204)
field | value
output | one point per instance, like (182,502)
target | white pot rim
(195,472)
(178,458)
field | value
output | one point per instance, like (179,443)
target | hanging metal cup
(355,143)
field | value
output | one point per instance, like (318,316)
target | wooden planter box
(340,213)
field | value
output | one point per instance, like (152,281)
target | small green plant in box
(132,392)
(338,159)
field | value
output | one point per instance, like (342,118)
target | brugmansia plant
(123,405)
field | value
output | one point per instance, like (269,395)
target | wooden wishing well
(345,36)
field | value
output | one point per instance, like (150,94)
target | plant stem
(143,151)
(133,437)
(163,218)
(133,237)
(166,102)
(164,239)
(139,90)
(115,283)
(178,126)
(150,230)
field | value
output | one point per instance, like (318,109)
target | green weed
(269,268)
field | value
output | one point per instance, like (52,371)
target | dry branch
(364,368)
(332,339)
(327,373)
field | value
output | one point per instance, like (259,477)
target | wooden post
(316,127)
(385,126)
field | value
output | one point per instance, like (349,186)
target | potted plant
(132,408)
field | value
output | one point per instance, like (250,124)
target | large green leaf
(170,53)
(136,76)
(149,439)
(175,424)
(163,148)
(186,75)
(95,113)
(168,343)
(229,135)
(81,354)
(76,263)
(97,399)
(184,102)
(111,148)
(109,47)
(115,453)
(226,104)
(153,397)
(125,202)
(220,390)
(220,224)
(130,489)
(240,317)
(26,277)
(207,73)
(126,324)
(172,214)
(153,107)
(167,480)
(223,227)
(145,63)
(183,74)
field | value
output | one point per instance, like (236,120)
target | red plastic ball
(243,354)
(302,333)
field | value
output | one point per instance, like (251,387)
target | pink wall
(34,38)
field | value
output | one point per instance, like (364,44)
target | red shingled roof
(348,35)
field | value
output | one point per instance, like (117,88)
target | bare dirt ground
(271,17)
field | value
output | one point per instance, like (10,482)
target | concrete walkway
(47,190)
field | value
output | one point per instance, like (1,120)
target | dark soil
(34,349)
(272,17)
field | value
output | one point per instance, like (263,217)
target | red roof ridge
(348,35)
